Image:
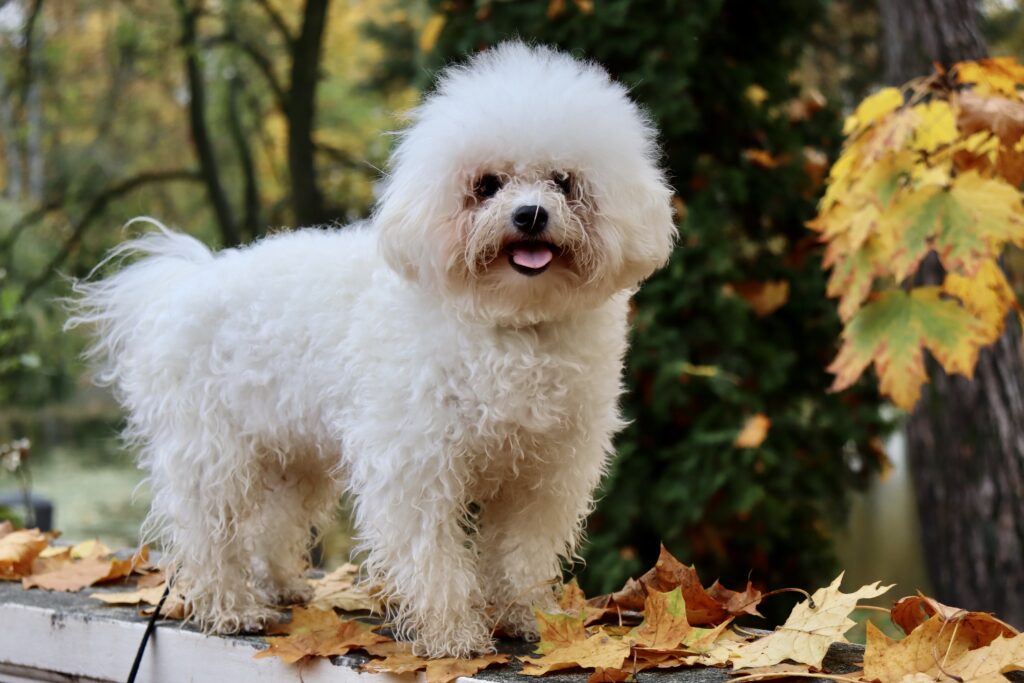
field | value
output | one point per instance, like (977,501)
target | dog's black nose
(530,219)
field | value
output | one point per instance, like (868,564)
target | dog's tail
(125,306)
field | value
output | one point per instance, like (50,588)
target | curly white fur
(407,360)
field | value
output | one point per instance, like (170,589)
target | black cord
(150,627)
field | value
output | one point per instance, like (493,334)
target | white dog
(454,363)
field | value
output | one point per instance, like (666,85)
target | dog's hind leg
(203,491)
(301,497)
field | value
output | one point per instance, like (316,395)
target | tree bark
(200,132)
(964,440)
(306,197)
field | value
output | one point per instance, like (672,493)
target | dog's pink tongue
(530,256)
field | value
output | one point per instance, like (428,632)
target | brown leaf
(140,596)
(558,630)
(769,673)
(764,158)
(17,551)
(400,660)
(668,573)
(317,633)
(988,664)
(664,626)
(1001,115)
(599,651)
(980,627)
(603,675)
(764,297)
(888,661)
(74,575)
(737,603)
(338,590)
(754,432)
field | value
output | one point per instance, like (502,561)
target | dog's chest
(512,394)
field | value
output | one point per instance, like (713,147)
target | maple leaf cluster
(26,555)
(933,167)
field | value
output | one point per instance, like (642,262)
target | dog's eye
(487,186)
(564,182)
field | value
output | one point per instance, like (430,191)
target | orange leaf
(318,633)
(664,626)
(599,651)
(764,297)
(17,551)
(754,431)
(603,675)
(400,660)
(978,628)
(888,660)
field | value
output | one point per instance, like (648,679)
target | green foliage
(717,76)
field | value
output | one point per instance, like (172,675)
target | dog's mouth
(531,257)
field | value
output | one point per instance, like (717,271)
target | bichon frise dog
(454,363)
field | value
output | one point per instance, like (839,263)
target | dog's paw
(453,636)
(250,620)
(518,621)
(292,592)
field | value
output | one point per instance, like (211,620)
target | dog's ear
(402,224)
(640,215)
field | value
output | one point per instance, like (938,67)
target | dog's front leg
(529,529)
(412,521)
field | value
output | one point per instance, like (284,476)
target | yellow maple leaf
(893,331)
(399,659)
(936,126)
(664,626)
(558,630)
(987,295)
(808,632)
(988,664)
(317,633)
(872,109)
(17,551)
(999,75)
(599,651)
(888,660)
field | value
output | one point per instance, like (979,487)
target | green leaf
(893,331)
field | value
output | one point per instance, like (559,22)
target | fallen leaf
(74,575)
(737,603)
(141,596)
(889,661)
(558,630)
(980,628)
(609,676)
(768,673)
(401,660)
(988,664)
(808,632)
(17,551)
(599,651)
(754,432)
(317,633)
(338,590)
(664,626)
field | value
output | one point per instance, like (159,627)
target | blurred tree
(745,146)
(964,439)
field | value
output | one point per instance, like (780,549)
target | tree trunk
(305,69)
(964,440)
(9,132)
(197,122)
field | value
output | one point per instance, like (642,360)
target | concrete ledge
(70,637)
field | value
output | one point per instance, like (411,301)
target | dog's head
(526,188)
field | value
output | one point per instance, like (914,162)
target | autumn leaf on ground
(572,601)
(399,659)
(599,651)
(888,661)
(702,609)
(808,632)
(558,630)
(338,590)
(18,549)
(754,432)
(74,575)
(988,664)
(317,633)
(609,676)
(769,673)
(978,628)
(664,626)
(141,596)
